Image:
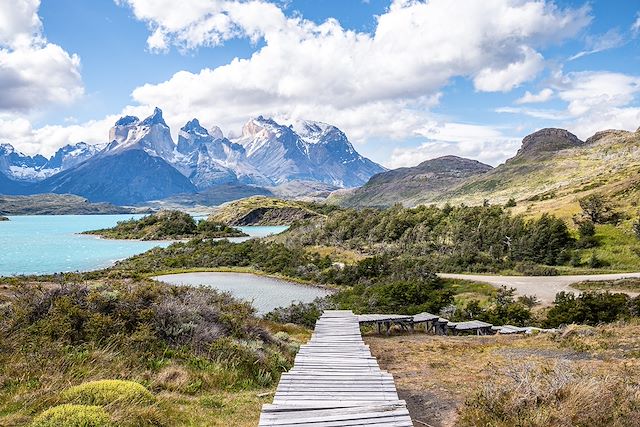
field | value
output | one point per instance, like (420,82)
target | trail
(544,287)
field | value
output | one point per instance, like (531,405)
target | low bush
(590,308)
(531,269)
(73,416)
(526,395)
(106,392)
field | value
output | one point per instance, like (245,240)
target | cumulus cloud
(530,98)
(379,84)
(595,100)
(33,72)
(484,143)
(19,132)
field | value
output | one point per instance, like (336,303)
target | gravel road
(544,287)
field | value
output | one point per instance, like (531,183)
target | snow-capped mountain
(142,162)
(71,155)
(151,135)
(202,156)
(21,167)
(306,150)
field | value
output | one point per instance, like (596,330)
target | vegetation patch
(261,210)
(631,285)
(73,416)
(183,342)
(105,392)
(532,395)
(167,225)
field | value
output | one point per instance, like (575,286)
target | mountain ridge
(267,154)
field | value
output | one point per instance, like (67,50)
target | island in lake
(168,225)
(3,218)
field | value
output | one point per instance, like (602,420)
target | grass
(445,380)
(630,285)
(467,290)
(73,416)
(105,392)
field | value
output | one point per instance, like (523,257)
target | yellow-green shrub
(105,392)
(73,416)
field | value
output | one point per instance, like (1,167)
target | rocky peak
(216,132)
(548,140)
(127,121)
(193,127)
(155,118)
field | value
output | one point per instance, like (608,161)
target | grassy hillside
(267,211)
(553,181)
(56,204)
(167,225)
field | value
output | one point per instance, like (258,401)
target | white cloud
(600,100)
(513,75)
(371,85)
(33,72)
(530,98)
(609,40)
(595,100)
(635,27)
(484,143)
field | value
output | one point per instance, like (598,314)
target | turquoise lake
(43,244)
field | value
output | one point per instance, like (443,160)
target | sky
(406,80)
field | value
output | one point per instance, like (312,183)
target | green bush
(590,308)
(105,392)
(73,416)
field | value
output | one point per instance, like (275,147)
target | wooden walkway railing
(336,382)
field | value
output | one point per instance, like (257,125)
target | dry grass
(437,375)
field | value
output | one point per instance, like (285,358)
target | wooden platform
(336,382)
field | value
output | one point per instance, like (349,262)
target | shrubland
(132,350)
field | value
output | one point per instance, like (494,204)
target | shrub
(300,313)
(531,269)
(105,392)
(73,416)
(541,396)
(589,308)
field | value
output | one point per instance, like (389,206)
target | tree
(596,209)
(636,228)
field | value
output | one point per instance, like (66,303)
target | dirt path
(544,287)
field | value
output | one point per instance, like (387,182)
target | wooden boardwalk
(336,382)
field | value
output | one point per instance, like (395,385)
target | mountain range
(141,162)
(551,171)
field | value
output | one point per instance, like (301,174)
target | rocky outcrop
(547,140)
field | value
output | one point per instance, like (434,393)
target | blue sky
(407,80)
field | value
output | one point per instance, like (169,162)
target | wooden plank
(336,382)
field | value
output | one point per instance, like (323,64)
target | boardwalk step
(336,382)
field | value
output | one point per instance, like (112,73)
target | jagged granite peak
(21,167)
(216,132)
(548,140)
(151,135)
(127,120)
(155,118)
(305,151)
(73,154)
